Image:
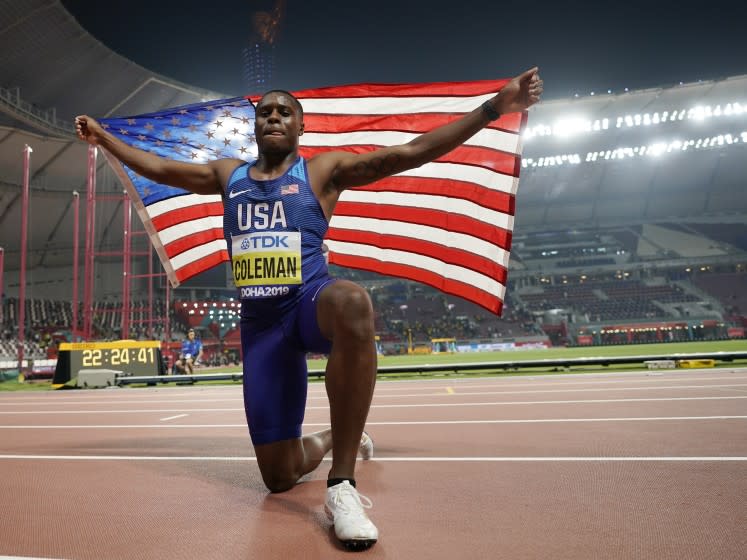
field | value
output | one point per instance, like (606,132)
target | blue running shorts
(275,374)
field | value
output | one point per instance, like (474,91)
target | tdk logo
(268,242)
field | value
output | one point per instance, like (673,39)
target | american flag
(447,223)
(289,189)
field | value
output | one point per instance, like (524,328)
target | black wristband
(490,111)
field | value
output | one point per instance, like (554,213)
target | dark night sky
(579,49)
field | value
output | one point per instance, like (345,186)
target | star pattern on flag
(195,133)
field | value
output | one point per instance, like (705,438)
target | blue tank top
(274,230)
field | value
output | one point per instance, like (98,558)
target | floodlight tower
(259,54)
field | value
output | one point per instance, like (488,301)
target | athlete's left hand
(520,93)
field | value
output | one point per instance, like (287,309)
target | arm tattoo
(377,167)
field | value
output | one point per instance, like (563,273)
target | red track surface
(578,467)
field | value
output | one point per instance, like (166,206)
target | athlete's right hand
(88,129)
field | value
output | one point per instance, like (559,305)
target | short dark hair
(289,94)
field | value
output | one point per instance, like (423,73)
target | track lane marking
(382,459)
(53,397)
(421,405)
(388,423)
(26,558)
(174,417)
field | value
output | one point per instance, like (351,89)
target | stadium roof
(52,69)
(673,152)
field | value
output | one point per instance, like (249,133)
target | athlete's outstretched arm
(350,170)
(199,178)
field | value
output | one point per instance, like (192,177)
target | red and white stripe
(447,223)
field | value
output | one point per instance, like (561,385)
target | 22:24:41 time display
(117,356)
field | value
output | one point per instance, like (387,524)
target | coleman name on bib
(266,259)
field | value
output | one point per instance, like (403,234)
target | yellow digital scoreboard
(132,357)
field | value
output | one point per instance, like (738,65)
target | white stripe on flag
(459,172)
(455,240)
(449,271)
(179,202)
(184,229)
(433,202)
(392,105)
(486,138)
(196,253)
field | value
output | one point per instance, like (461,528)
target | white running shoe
(366,448)
(345,507)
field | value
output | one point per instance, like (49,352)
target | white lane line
(594,390)
(582,401)
(555,459)
(379,459)
(174,417)
(57,399)
(373,406)
(26,558)
(381,423)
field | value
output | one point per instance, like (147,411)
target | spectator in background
(190,354)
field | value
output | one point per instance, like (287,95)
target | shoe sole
(358,545)
(352,544)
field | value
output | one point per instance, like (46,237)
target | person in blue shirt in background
(191,352)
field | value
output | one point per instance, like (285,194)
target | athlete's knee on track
(278,470)
(277,481)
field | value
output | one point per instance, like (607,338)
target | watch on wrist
(490,111)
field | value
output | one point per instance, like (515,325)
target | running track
(570,466)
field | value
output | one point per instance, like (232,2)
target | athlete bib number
(263,259)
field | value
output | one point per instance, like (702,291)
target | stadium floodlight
(570,126)
(722,140)
(657,149)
